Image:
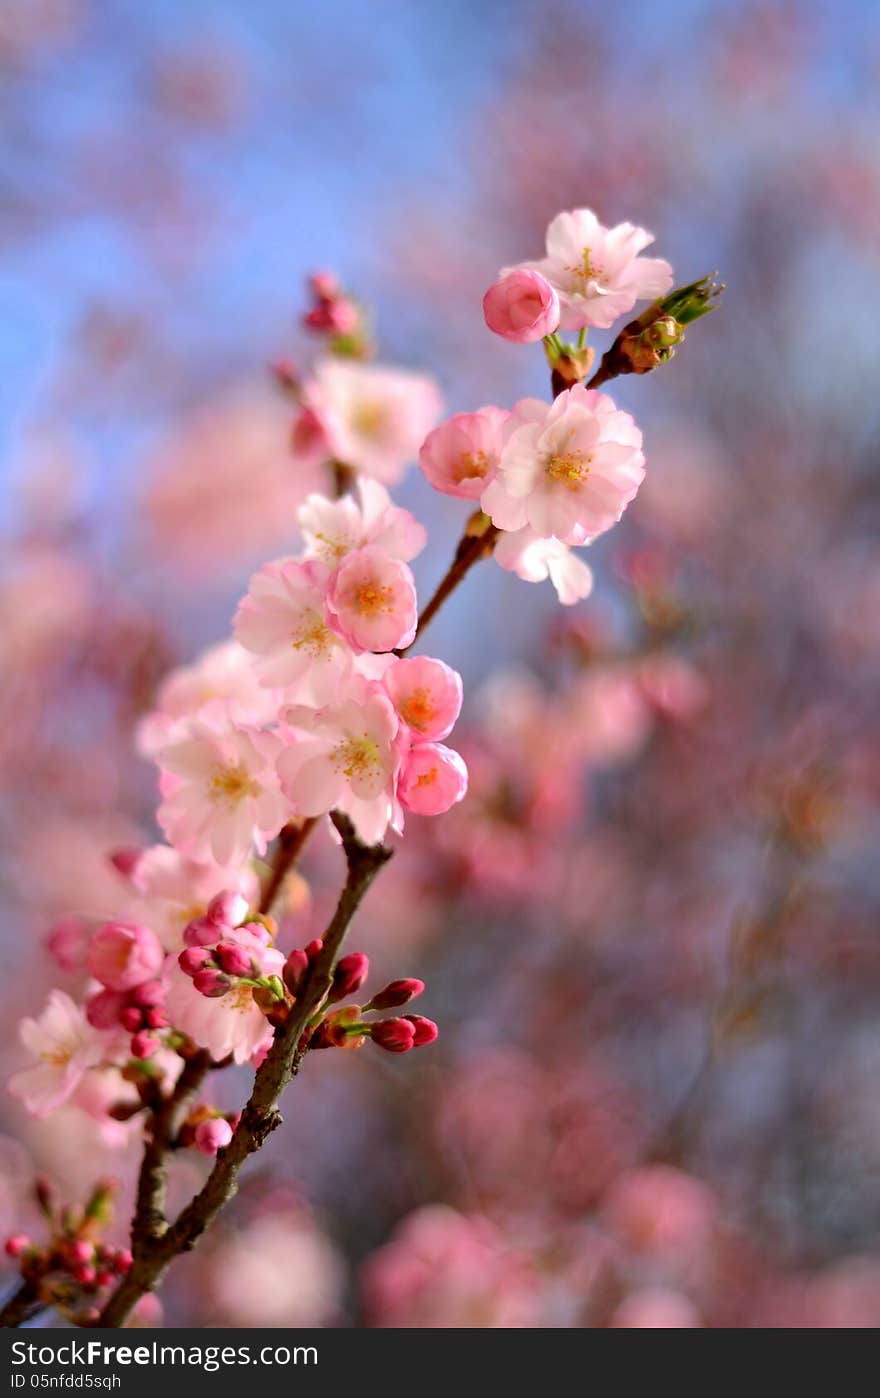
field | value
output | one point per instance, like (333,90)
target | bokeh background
(650,934)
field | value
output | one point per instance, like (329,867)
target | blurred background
(650,933)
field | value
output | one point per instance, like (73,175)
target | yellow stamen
(568,468)
(471,464)
(417,709)
(230,785)
(369,419)
(370,598)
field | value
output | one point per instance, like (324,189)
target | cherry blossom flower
(221,795)
(374,418)
(173,890)
(434,777)
(66,1047)
(522,306)
(122,955)
(372,602)
(426,694)
(221,687)
(345,757)
(568,469)
(334,528)
(534,559)
(460,457)
(231,1023)
(597,271)
(283,622)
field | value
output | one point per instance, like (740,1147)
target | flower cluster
(75,1266)
(314,708)
(553,476)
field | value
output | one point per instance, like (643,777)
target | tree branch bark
(261,1115)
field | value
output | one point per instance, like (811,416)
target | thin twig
(261,1115)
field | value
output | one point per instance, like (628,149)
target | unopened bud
(350,974)
(144,1044)
(192,960)
(227,909)
(16,1245)
(395,1035)
(234,960)
(396,993)
(295,968)
(211,982)
(212,1135)
(426,1030)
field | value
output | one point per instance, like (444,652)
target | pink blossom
(597,271)
(460,457)
(567,469)
(345,756)
(123,954)
(173,890)
(67,941)
(372,602)
(426,693)
(212,1135)
(444,1269)
(282,622)
(220,687)
(374,418)
(433,779)
(656,1308)
(334,528)
(278,1270)
(522,306)
(534,559)
(221,794)
(233,1022)
(65,1045)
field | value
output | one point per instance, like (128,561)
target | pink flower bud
(149,994)
(126,860)
(314,948)
(522,306)
(122,1261)
(193,959)
(144,1045)
(350,974)
(258,930)
(211,982)
(103,1009)
(16,1245)
(295,968)
(85,1275)
(213,1135)
(227,909)
(426,1030)
(395,1035)
(201,932)
(235,961)
(397,993)
(67,941)
(156,1018)
(104,1279)
(132,1018)
(122,954)
(323,285)
(79,1252)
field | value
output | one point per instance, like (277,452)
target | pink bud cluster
(331,311)
(221,949)
(346,1027)
(128,960)
(75,1264)
(208,1129)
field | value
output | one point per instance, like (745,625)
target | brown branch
(149,1220)
(261,1115)
(290,844)
(23,1305)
